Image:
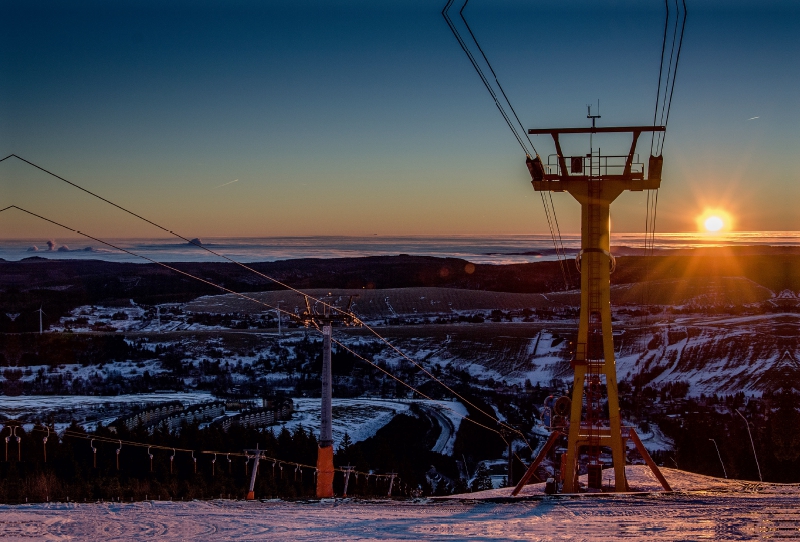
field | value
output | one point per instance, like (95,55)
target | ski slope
(734,511)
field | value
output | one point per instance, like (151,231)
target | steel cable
(227,290)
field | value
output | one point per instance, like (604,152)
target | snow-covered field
(362,418)
(87,410)
(37,404)
(735,511)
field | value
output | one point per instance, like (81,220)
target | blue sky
(362,117)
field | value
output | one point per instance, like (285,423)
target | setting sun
(713,223)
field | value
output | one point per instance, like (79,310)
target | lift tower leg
(594,361)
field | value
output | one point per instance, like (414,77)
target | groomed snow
(736,511)
(642,479)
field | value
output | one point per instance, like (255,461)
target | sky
(303,117)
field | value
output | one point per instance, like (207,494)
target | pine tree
(482,479)
(346,443)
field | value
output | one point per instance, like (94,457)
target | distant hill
(60,285)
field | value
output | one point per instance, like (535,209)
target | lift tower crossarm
(565,180)
(596,130)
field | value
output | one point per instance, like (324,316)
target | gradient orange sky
(366,118)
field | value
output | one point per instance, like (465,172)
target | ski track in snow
(657,518)
(702,508)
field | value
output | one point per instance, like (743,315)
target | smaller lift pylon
(325,320)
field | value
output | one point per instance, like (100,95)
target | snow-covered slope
(361,418)
(741,513)
(641,479)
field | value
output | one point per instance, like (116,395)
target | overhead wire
(669,70)
(489,64)
(549,208)
(111,245)
(244,266)
(550,220)
(677,39)
(482,75)
(151,260)
(561,243)
(677,60)
(135,444)
(664,105)
(244,296)
(421,394)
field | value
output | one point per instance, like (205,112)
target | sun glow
(714,221)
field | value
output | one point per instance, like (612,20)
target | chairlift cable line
(560,239)
(112,440)
(271,278)
(434,378)
(652,204)
(179,236)
(482,75)
(276,281)
(672,72)
(489,64)
(561,262)
(415,390)
(551,210)
(486,83)
(669,68)
(660,73)
(263,304)
(162,264)
(130,443)
(358,320)
(674,75)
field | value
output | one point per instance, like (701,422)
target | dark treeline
(69,471)
(34,364)
(62,285)
(773,420)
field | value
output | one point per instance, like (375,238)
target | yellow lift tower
(595,180)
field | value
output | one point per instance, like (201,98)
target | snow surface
(735,511)
(642,479)
(362,418)
(39,404)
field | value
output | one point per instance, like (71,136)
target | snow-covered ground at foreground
(748,515)
(641,479)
